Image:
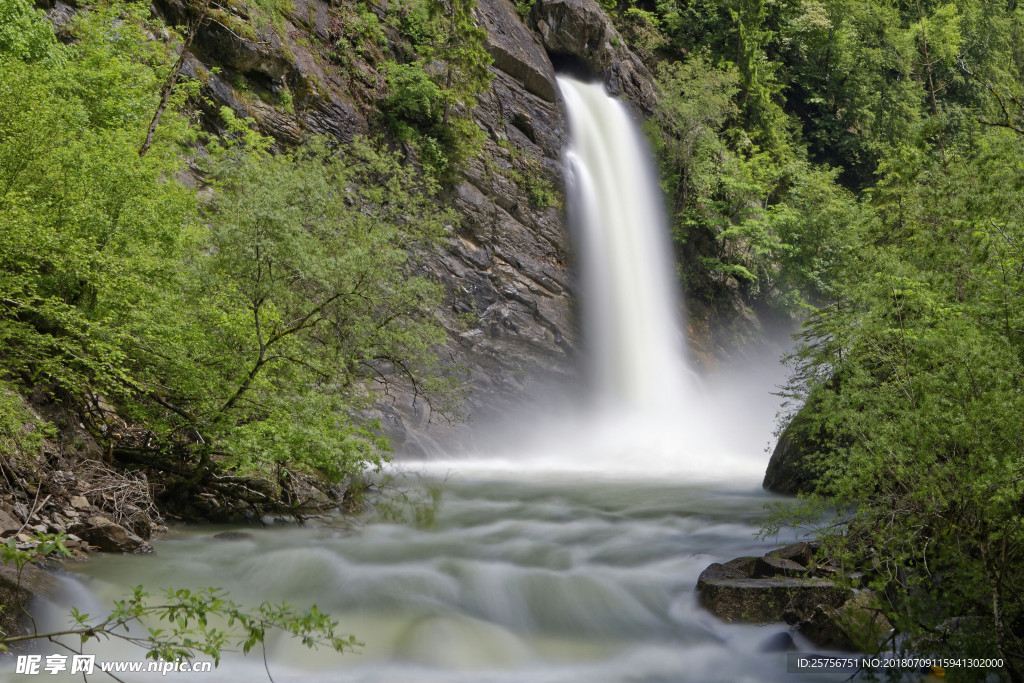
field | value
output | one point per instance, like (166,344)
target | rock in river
(762,590)
(110,537)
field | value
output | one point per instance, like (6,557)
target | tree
(242,332)
(431,98)
(915,371)
(299,291)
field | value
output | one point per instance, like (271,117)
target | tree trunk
(172,79)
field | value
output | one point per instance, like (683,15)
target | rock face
(791,469)
(581,31)
(509,309)
(509,304)
(788,472)
(515,51)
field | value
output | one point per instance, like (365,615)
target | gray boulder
(780,586)
(110,537)
(764,601)
(856,626)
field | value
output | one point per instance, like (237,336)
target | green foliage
(21,433)
(758,86)
(25,33)
(431,96)
(414,100)
(183,624)
(88,225)
(243,331)
(523,8)
(915,371)
(305,293)
(528,174)
(642,30)
(263,13)
(865,157)
(46,545)
(774,224)
(361,36)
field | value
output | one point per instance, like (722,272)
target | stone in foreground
(856,626)
(764,601)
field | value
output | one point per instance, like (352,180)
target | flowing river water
(571,556)
(517,578)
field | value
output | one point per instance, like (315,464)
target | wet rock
(801,552)
(745,565)
(763,601)
(581,30)
(515,50)
(716,571)
(110,537)
(17,593)
(233,536)
(856,626)
(778,642)
(768,567)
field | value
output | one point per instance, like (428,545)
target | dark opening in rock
(571,65)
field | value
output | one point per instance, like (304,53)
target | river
(516,578)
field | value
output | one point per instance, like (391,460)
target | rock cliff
(509,307)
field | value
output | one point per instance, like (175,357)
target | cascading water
(630,306)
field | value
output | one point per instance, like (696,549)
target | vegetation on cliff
(234,330)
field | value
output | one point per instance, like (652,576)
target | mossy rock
(856,626)
(731,596)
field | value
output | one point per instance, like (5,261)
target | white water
(515,582)
(566,557)
(630,306)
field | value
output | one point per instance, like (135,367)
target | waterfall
(631,311)
(648,415)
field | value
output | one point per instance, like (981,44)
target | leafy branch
(183,628)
